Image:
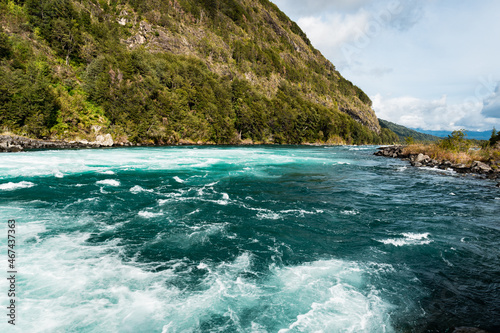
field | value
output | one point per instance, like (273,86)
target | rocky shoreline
(15,143)
(490,171)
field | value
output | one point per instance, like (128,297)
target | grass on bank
(458,150)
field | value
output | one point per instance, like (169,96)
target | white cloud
(318,7)
(491,105)
(346,35)
(338,27)
(435,114)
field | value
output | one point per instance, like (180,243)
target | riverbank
(487,169)
(15,143)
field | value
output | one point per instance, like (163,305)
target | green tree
(455,141)
(495,137)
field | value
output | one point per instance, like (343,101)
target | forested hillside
(404,132)
(170,71)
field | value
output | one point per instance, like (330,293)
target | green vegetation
(495,137)
(405,134)
(458,150)
(455,142)
(221,71)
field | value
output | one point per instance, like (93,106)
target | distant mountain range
(484,135)
(419,134)
(404,132)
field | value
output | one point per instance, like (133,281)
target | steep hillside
(405,132)
(168,71)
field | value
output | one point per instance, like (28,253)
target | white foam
(436,169)
(349,212)
(15,186)
(361,148)
(137,189)
(58,174)
(148,214)
(177,179)
(197,210)
(301,212)
(68,162)
(108,172)
(332,298)
(89,288)
(409,239)
(109,182)
(268,216)
(415,236)
(202,266)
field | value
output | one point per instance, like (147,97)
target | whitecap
(148,215)
(451,193)
(15,186)
(415,236)
(108,172)
(110,182)
(268,216)
(137,189)
(58,174)
(177,179)
(349,212)
(409,239)
(194,212)
(436,169)
(202,266)
(300,212)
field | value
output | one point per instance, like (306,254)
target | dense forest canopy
(169,71)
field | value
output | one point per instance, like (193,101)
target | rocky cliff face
(164,71)
(255,41)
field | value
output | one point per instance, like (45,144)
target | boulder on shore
(421,158)
(480,167)
(104,140)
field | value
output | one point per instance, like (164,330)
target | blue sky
(430,64)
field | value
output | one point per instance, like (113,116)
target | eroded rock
(480,167)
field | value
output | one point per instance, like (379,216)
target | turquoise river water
(246,239)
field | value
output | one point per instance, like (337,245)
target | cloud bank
(437,114)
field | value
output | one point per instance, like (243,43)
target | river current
(246,239)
